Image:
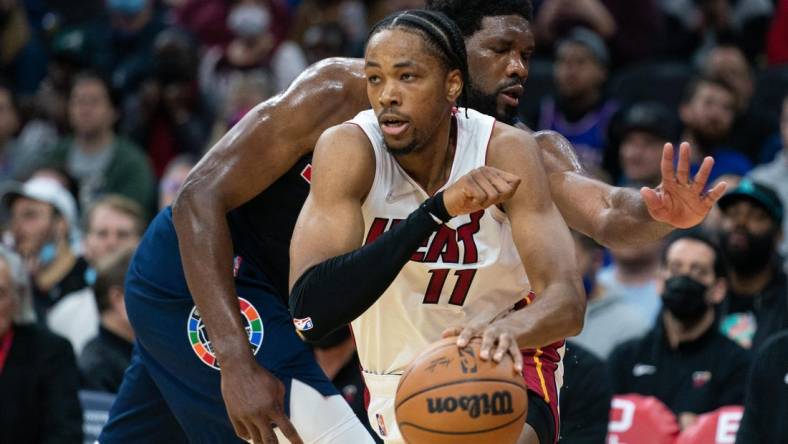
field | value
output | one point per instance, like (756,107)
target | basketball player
(242,201)
(410,167)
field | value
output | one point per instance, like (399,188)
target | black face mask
(752,259)
(685,298)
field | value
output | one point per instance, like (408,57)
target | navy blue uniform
(171,391)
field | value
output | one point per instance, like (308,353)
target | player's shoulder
(511,144)
(339,78)
(343,140)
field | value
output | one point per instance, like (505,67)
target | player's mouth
(511,95)
(393,125)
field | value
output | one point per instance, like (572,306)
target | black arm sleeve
(340,289)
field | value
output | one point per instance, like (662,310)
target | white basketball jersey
(468,266)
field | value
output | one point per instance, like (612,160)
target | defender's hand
(678,200)
(254,399)
(498,338)
(479,189)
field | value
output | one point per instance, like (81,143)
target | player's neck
(431,165)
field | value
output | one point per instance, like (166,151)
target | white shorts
(382,393)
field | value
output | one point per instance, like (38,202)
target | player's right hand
(255,401)
(479,189)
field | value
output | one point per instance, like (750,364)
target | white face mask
(248,20)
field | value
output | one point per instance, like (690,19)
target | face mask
(47,254)
(752,259)
(685,298)
(248,20)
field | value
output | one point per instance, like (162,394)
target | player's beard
(488,103)
(407,149)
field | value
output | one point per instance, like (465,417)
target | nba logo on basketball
(303,324)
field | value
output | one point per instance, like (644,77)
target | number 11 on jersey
(438,280)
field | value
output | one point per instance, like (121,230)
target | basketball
(450,395)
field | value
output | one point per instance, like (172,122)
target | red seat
(636,419)
(717,427)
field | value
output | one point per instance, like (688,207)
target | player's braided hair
(440,33)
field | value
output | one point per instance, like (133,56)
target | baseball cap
(757,193)
(591,40)
(651,117)
(43,189)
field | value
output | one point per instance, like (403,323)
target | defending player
(409,167)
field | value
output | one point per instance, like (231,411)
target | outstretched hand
(678,200)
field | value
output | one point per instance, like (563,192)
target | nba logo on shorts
(381,424)
(303,324)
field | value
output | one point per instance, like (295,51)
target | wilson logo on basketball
(499,403)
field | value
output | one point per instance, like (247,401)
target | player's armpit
(543,241)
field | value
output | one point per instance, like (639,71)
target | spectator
(173,179)
(774,174)
(170,115)
(105,358)
(255,46)
(633,277)
(100,160)
(135,24)
(752,127)
(641,134)
(555,17)
(707,112)
(777,44)
(44,233)
(580,111)
(324,40)
(692,26)
(38,372)
(603,309)
(113,223)
(766,400)
(685,361)
(246,90)
(638,25)
(585,398)
(206,19)
(22,57)
(756,305)
(14,160)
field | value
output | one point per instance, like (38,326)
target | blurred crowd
(105,106)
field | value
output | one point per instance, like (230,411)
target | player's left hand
(678,200)
(498,339)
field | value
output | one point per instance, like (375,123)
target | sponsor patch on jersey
(303,324)
(643,370)
(700,378)
(381,425)
(201,343)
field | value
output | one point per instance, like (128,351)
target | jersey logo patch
(303,324)
(700,378)
(643,370)
(306,173)
(201,343)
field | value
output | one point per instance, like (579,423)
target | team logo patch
(700,378)
(381,424)
(201,344)
(303,324)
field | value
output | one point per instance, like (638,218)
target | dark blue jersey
(261,228)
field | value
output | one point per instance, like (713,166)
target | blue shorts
(171,390)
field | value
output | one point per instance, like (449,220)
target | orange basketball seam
(462,381)
(463,433)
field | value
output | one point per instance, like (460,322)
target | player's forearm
(627,222)
(557,313)
(206,252)
(336,291)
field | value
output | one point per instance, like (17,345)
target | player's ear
(453,85)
